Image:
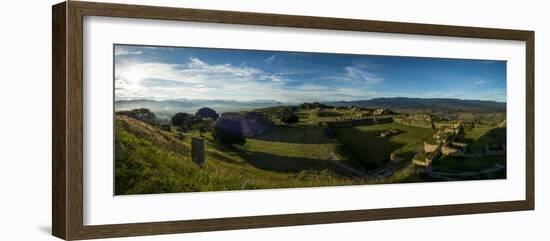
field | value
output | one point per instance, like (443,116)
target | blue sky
(292,77)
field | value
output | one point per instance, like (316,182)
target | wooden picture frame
(67,152)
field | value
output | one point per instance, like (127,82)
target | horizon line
(313,101)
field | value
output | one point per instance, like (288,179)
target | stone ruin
(388,133)
(415,120)
(356,121)
(197,150)
(426,159)
(382,112)
(443,143)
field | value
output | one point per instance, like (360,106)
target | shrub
(205,125)
(290,119)
(315,105)
(228,132)
(165,127)
(141,114)
(179,118)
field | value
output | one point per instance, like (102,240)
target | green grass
(478,137)
(294,148)
(374,151)
(406,174)
(149,160)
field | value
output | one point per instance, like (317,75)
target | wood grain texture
(59,196)
(263,19)
(122,230)
(74,110)
(530,119)
(67,181)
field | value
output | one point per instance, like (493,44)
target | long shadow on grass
(294,135)
(277,163)
(493,136)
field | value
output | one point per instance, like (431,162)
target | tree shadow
(493,136)
(287,164)
(293,134)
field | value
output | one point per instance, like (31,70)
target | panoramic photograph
(190,119)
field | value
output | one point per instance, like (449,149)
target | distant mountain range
(191,106)
(428,104)
(396,103)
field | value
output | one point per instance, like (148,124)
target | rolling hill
(167,107)
(431,104)
(150,160)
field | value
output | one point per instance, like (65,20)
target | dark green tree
(206,112)
(179,118)
(184,121)
(228,132)
(290,119)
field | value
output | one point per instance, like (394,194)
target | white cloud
(123,51)
(357,73)
(197,79)
(270,59)
(480,81)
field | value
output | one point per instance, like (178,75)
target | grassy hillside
(149,160)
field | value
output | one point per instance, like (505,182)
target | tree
(205,125)
(227,138)
(141,114)
(206,112)
(228,132)
(290,119)
(179,118)
(184,121)
(314,105)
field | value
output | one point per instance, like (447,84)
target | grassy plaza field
(373,150)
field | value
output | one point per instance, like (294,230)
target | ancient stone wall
(430,147)
(414,122)
(383,120)
(363,122)
(451,151)
(433,156)
(440,125)
(418,162)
